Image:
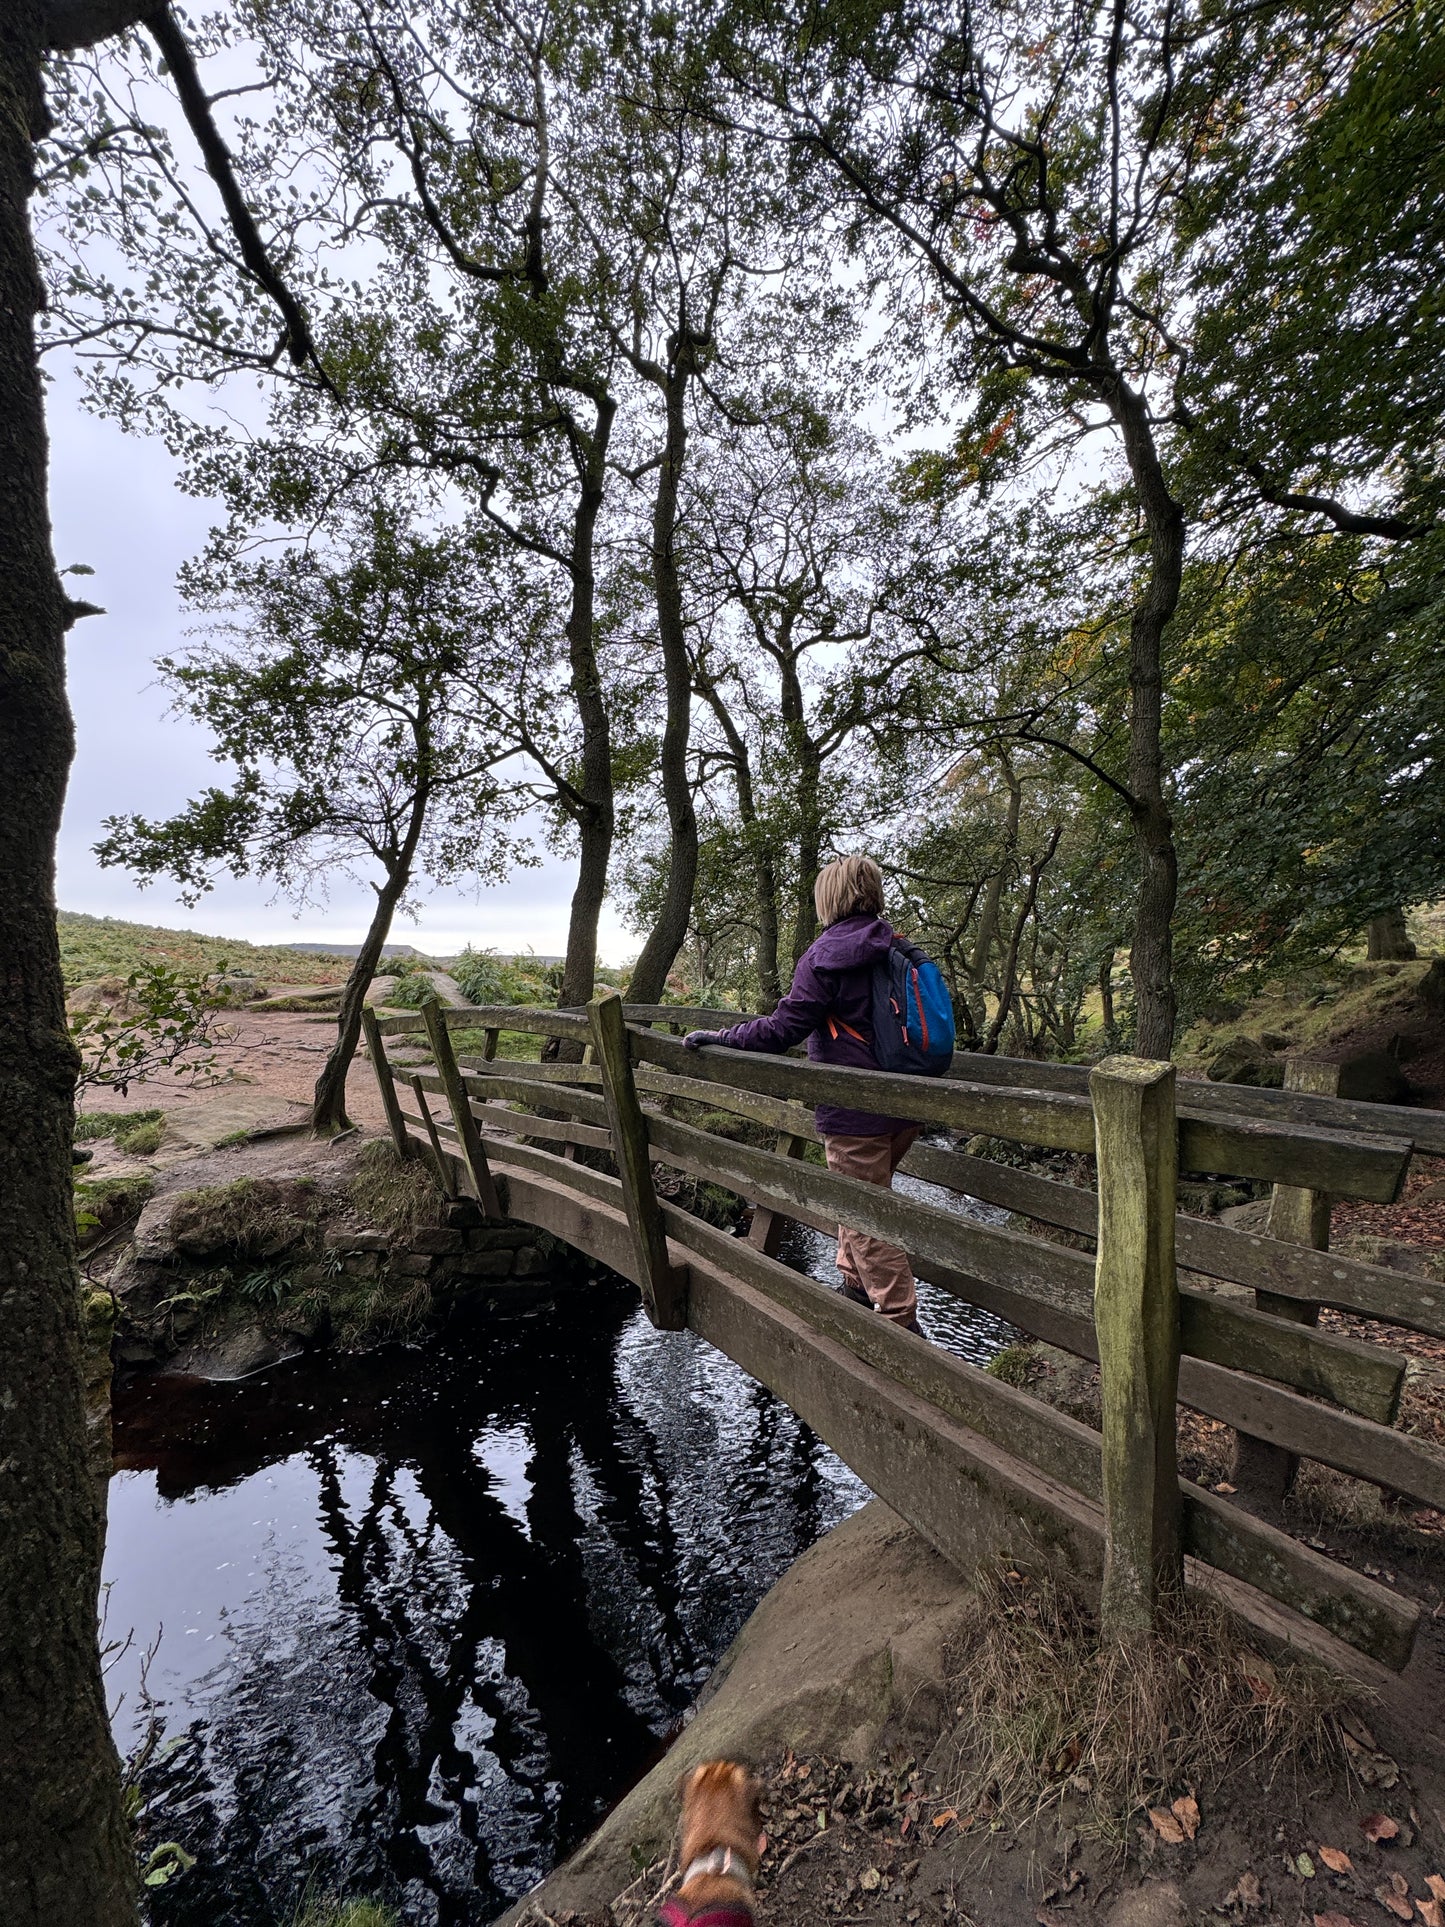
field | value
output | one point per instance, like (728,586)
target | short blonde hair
(848,888)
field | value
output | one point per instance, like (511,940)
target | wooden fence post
(1136,1321)
(1298,1216)
(376,1051)
(662,1287)
(474,1155)
(765,1232)
(445,1176)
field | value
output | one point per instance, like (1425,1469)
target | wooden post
(662,1287)
(473,1154)
(1136,1322)
(376,1050)
(1263,1470)
(767,1228)
(489,1045)
(443,1163)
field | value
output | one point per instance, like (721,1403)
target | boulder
(1246,1060)
(1374,1077)
(233,988)
(105,995)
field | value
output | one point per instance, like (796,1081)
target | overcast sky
(115,506)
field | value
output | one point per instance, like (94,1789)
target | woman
(830,1003)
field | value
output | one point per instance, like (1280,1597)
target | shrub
(412,991)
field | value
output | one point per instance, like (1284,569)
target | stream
(406,1624)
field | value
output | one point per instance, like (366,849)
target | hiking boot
(912,1325)
(854,1294)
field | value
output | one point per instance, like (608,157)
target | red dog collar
(673,1914)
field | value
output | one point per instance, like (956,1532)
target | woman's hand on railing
(695,1039)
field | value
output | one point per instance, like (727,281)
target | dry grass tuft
(258,1218)
(396,1194)
(1047,1716)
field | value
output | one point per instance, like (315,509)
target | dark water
(420,1617)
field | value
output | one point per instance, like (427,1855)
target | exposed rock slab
(843,1656)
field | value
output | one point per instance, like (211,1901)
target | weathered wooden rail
(975,1465)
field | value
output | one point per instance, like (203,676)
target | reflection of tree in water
(508,1681)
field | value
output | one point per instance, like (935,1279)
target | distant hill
(354,950)
(92,947)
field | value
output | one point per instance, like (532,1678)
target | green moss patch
(103,1204)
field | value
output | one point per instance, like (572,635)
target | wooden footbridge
(1172,1307)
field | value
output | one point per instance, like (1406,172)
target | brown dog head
(720,1809)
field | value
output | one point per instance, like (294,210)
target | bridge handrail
(1425,1129)
(1223,1355)
(1347,1165)
(1359,1377)
(1215,1250)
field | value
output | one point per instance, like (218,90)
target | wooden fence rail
(1156,1337)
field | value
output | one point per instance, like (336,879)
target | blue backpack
(912,1014)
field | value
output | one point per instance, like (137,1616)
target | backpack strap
(834,1027)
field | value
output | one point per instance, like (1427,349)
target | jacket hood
(852,941)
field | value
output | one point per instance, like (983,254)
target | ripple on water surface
(420,1617)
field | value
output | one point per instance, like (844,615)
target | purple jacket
(834,978)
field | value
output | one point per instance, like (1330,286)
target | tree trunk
(1387,939)
(66,1854)
(1106,998)
(765,891)
(765,869)
(810,847)
(328,1108)
(1152,955)
(595,818)
(649,973)
(993,896)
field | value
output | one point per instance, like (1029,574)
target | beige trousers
(879,1269)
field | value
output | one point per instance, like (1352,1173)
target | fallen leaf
(1379,1827)
(942,1819)
(870,1880)
(1432,1912)
(1436,1883)
(1399,1907)
(1304,1867)
(1336,1861)
(1400,1884)
(1259,1676)
(1186,1812)
(1245,1892)
(1166,1826)
(1333,1920)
